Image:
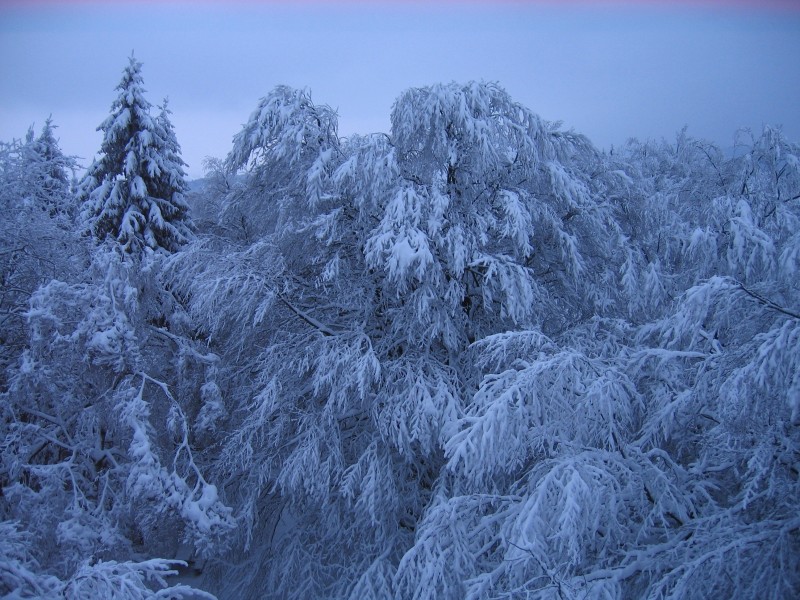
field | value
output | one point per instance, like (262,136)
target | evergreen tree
(134,192)
(35,172)
(49,170)
(172,178)
(55,178)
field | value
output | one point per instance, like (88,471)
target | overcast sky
(609,70)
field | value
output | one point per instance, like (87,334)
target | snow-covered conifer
(133,192)
(172,178)
(53,169)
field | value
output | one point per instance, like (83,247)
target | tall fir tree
(134,192)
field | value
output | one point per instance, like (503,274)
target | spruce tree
(50,169)
(172,177)
(57,165)
(134,191)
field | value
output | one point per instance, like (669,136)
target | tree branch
(321,327)
(768,303)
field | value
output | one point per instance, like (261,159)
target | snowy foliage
(19,576)
(473,358)
(96,451)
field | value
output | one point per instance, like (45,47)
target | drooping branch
(768,303)
(321,327)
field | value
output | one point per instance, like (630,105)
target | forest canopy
(473,357)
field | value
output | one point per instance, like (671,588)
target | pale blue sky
(611,72)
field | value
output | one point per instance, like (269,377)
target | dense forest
(475,357)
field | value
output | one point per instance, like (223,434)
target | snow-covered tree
(134,191)
(36,173)
(287,146)
(98,453)
(36,238)
(207,197)
(172,181)
(52,171)
(99,462)
(379,260)
(649,461)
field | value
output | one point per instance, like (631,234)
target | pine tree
(134,192)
